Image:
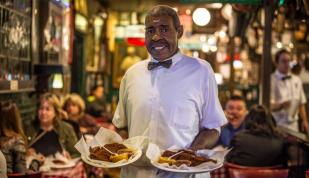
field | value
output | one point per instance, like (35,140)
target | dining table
(77,171)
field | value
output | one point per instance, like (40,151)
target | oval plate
(191,170)
(105,164)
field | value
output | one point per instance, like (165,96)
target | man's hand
(279,106)
(66,154)
(205,139)
(305,127)
(286,104)
(303,117)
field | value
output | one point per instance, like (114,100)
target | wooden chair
(27,175)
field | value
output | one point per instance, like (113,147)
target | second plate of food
(187,161)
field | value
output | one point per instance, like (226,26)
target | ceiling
(141,5)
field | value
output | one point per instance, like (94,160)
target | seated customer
(12,138)
(74,106)
(48,134)
(259,144)
(235,111)
(3,167)
(96,102)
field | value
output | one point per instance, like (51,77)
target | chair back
(27,175)
(260,173)
(236,166)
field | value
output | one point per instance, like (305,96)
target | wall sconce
(57,81)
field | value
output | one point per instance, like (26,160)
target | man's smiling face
(161,36)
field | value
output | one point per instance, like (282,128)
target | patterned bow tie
(286,77)
(166,64)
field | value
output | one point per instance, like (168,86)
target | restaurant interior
(72,46)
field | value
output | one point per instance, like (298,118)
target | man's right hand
(285,104)
(279,106)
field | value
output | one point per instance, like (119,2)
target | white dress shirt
(287,90)
(304,76)
(169,105)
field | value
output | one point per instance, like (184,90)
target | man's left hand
(205,139)
(305,127)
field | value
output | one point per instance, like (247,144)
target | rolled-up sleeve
(212,114)
(120,119)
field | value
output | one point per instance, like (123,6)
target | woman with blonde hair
(12,139)
(48,134)
(82,123)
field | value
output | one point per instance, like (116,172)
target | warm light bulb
(188,11)
(57,81)
(205,48)
(279,45)
(219,78)
(201,16)
(237,64)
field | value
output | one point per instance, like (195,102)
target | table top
(77,171)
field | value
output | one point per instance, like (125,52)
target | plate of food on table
(179,160)
(108,150)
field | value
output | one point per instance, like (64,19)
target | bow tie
(166,64)
(286,77)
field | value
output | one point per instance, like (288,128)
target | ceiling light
(213,48)
(237,64)
(222,34)
(279,45)
(212,40)
(205,48)
(201,16)
(195,54)
(216,5)
(203,38)
(188,11)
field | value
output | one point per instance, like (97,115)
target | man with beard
(170,98)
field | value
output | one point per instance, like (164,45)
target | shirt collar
(242,126)
(175,58)
(280,75)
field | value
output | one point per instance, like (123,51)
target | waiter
(287,95)
(171,98)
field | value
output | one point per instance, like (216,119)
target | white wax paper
(106,136)
(154,152)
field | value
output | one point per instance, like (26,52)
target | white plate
(186,170)
(105,164)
